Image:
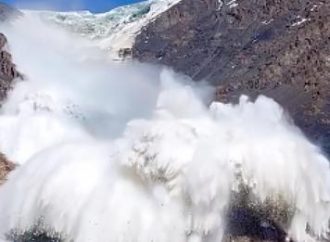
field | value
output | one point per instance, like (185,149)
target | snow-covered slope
(113,31)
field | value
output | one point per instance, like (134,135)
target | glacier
(113,31)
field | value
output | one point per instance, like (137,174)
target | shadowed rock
(8,71)
(245,224)
(34,236)
(250,220)
(5,167)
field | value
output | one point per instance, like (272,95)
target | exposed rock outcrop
(5,167)
(8,71)
(279,48)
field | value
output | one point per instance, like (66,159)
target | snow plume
(70,87)
(119,152)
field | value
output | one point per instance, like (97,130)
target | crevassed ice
(113,30)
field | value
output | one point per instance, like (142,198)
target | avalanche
(134,153)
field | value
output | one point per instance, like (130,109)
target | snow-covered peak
(114,30)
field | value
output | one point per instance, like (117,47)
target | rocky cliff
(278,48)
(8,71)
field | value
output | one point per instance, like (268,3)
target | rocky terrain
(278,48)
(8,71)
(5,167)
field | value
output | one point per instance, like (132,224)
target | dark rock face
(8,71)
(278,48)
(245,225)
(33,236)
(5,167)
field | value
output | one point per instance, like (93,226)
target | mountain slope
(239,47)
(276,48)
